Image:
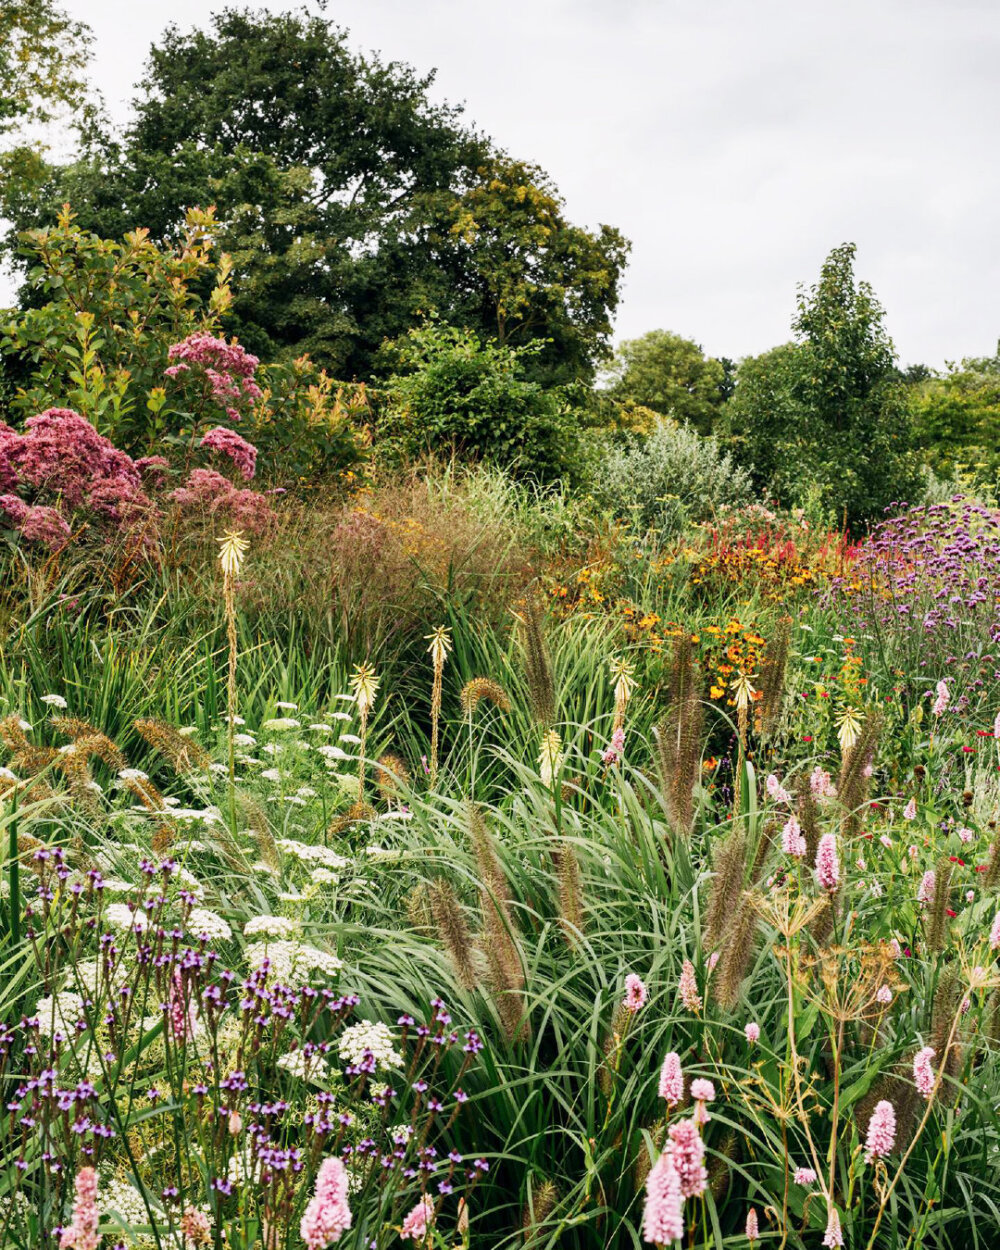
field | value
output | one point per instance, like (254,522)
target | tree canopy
(350,203)
(672,376)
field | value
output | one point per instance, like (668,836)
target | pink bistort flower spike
(752,1031)
(688,1153)
(833,1237)
(418,1222)
(687,987)
(672,1079)
(82,1233)
(925,891)
(942,700)
(753,1228)
(636,993)
(793,841)
(910,810)
(327,1216)
(805,1176)
(881,1131)
(615,748)
(995,933)
(663,1214)
(828,863)
(923,1073)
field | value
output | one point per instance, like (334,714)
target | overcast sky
(733,141)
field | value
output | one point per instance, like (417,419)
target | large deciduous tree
(672,376)
(826,419)
(351,205)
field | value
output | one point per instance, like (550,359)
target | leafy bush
(671,479)
(451,392)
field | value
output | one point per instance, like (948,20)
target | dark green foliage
(451,392)
(672,376)
(825,420)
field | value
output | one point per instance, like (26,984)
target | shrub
(671,479)
(450,392)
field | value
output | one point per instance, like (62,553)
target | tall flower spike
(849,728)
(327,1215)
(881,1131)
(622,671)
(828,864)
(663,1215)
(550,758)
(364,688)
(232,550)
(671,1088)
(82,1233)
(440,641)
(441,645)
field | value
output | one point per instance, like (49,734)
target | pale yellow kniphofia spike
(232,549)
(849,728)
(743,689)
(364,687)
(440,647)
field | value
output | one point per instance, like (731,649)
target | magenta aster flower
(923,1073)
(663,1214)
(327,1215)
(881,1131)
(672,1079)
(636,993)
(827,864)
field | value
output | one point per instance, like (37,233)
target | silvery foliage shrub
(670,479)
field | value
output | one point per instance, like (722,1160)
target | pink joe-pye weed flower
(793,841)
(942,700)
(636,993)
(688,1154)
(687,987)
(881,1131)
(833,1236)
(663,1213)
(925,891)
(82,1233)
(753,1228)
(418,1221)
(327,1215)
(910,810)
(671,1079)
(828,864)
(752,1031)
(805,1176)
(923,1073)
(238,450)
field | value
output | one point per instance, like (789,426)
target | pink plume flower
(82,1233)
(327,1215)
(923,1073)
(833,1237)
(418,1222)
(942,700)
(925,891)
(615,748)
(995,933)
(828,863)
(688,1153)
(663,1214)
(805,1176)
(776,790)
(196,1228)
(687,987)
(753,1228)
(792,839)
(820,784)
(881,1131)
(702,1090)
(240,452)
(636,993)
(883,995)
(752,1031)
(910,810)
(672,1079)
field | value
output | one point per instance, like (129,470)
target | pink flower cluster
(678,1174)
(82,1233)
(228,368)
(923,1072)
(61,456)
(793,840)
(687,987)
(828,864)
(419,1220)
(881,1131)
(208,491)
(239,451)
(327,1215)
(613,751)
(636,993)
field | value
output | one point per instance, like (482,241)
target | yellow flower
(233,547)
(364,687)
(621,671)
(550,759)
(849,730)
(440,641)
(742,689)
